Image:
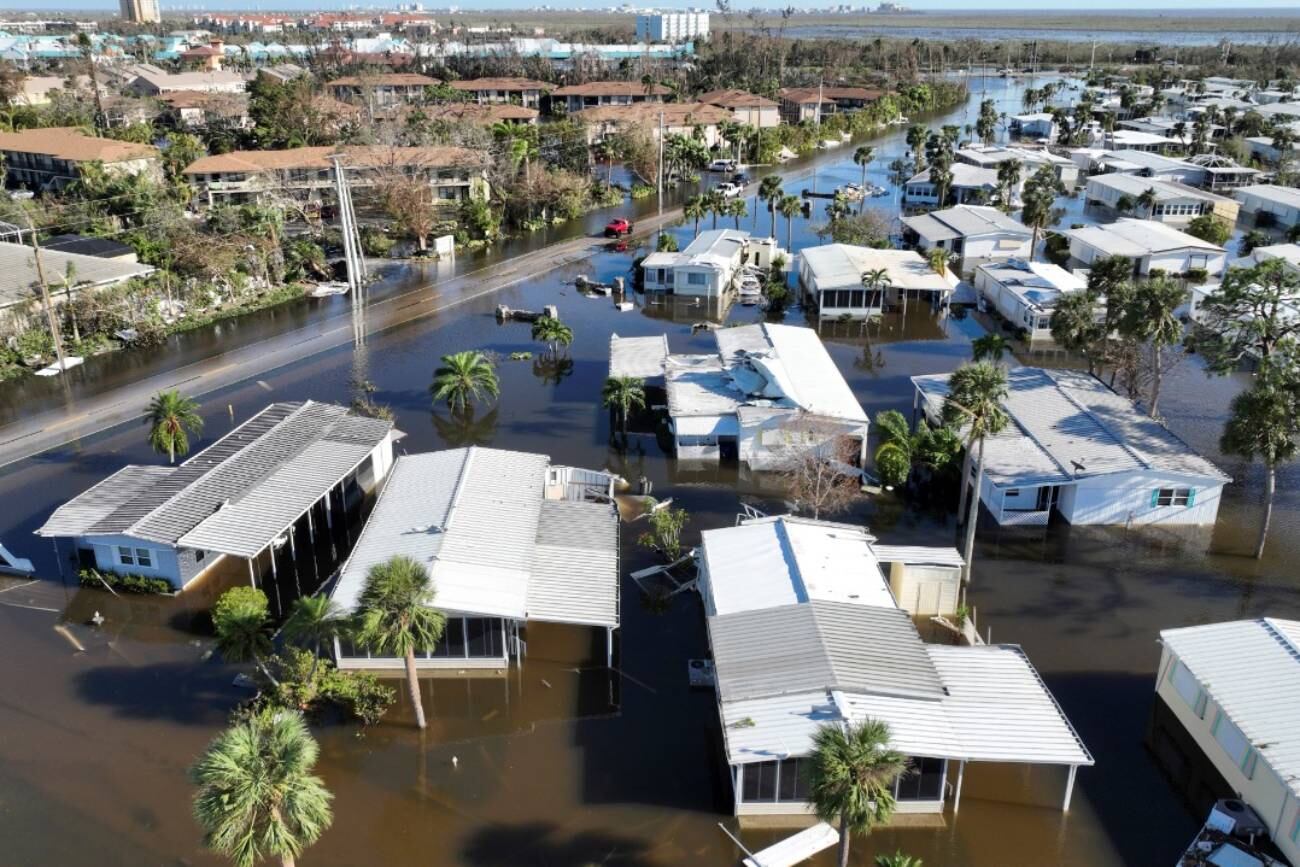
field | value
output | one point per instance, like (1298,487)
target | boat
(328,288)
(877,191)
(1233,834)
(69,362)
(901,120)
(852,192)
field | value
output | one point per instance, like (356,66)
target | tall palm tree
(937,259)
(315,621)
(789,206)
(695,209)
(552,332)
(851,778)
(1009,174)
(717,205)
(623,393)
(769,190)
(1150,317)
(1264,422)
(257,797)
(464,378)
(737,209)
(974,401)
(863,157)
(395,615)
(876,281)
(172,419)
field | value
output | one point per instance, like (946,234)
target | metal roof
(1289,196)
(1251,669)
(20,283)
(1038,285)
(918,555)
(820,645)
(698,385)
(478,519)
(770,562)
(836,266)
(575,564)
(240,493)
(794,361)
(1001,710)
(1134,186)
(1068,425)
(994,708)
(640,357)
(965,221)
(1137,238)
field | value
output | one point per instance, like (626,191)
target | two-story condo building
(53,157)
(575,97)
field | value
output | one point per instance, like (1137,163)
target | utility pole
(350,248)
(660,174)
(1093,59)
(45,298)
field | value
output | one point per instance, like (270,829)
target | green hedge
(125,583)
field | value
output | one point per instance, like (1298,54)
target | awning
(706,425)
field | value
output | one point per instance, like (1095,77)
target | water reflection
(468,427)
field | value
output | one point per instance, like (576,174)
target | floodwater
(1157,35)
(559,763)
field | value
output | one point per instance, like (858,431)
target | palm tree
(1124,204)
(974,401)
(603,151)
(717,205)
(769,190)
(172,419)
(1150,317)
(315,621)
(695,209)
(851,777)
(941,177)
(898,859)
(863,157)
(876,281)
(1148,200)
(789,206)
(938,261)
(1009,174)
(464,378)
(990,347)
(553,333)
(257,796)
(623,393)
(395,616)
(1264,422)
(738,209)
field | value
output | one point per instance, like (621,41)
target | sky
(1199,6)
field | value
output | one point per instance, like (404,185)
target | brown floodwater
(563,762)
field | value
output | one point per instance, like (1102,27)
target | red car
(618,227)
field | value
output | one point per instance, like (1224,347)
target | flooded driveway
(559,763)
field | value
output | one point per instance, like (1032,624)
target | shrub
(139,584)
(375,242)
(893,464)
(1196,275)
(642,191)
(314,685)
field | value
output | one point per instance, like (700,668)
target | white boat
(69,362)
(901,120)
(876,191)
(828,143)
(852,192)
(328,288)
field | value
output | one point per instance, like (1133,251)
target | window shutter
(1155,496)
(1191,497)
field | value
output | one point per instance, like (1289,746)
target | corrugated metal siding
(916,727)
(1251,669)
(575,577)
(1001,710)
(765,729)
(874,649)
(918,555)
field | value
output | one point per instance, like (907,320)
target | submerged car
(617,227)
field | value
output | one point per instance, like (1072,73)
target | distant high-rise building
(672,26)
(141,11)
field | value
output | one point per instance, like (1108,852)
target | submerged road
(85,416)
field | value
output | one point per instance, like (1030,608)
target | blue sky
(1225,6)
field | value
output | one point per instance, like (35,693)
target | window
(694,278)
(924,782)
(1188,687)
(759,782)
(125,556)
(792,782)
(1173,497)
(198,556)
(144,557)
(1234,742)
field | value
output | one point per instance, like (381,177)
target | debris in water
(546,683)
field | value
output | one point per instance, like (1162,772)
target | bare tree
(819,473)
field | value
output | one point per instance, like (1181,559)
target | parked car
(729,190)
(617,227)
(740,178)
(722,166)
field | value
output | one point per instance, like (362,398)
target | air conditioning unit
(1235,817)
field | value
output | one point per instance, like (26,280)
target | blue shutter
(1191,497)
(1155,496)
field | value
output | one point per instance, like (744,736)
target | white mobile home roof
(640,357)
(965,221)
(836,266)
(798,361)
(476,518)
(237,495)
(1288,196)
(781,561)
(1038,284)
(964,175)
(1251,668)
(1068,425)
(1134,186)
(1138,238)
